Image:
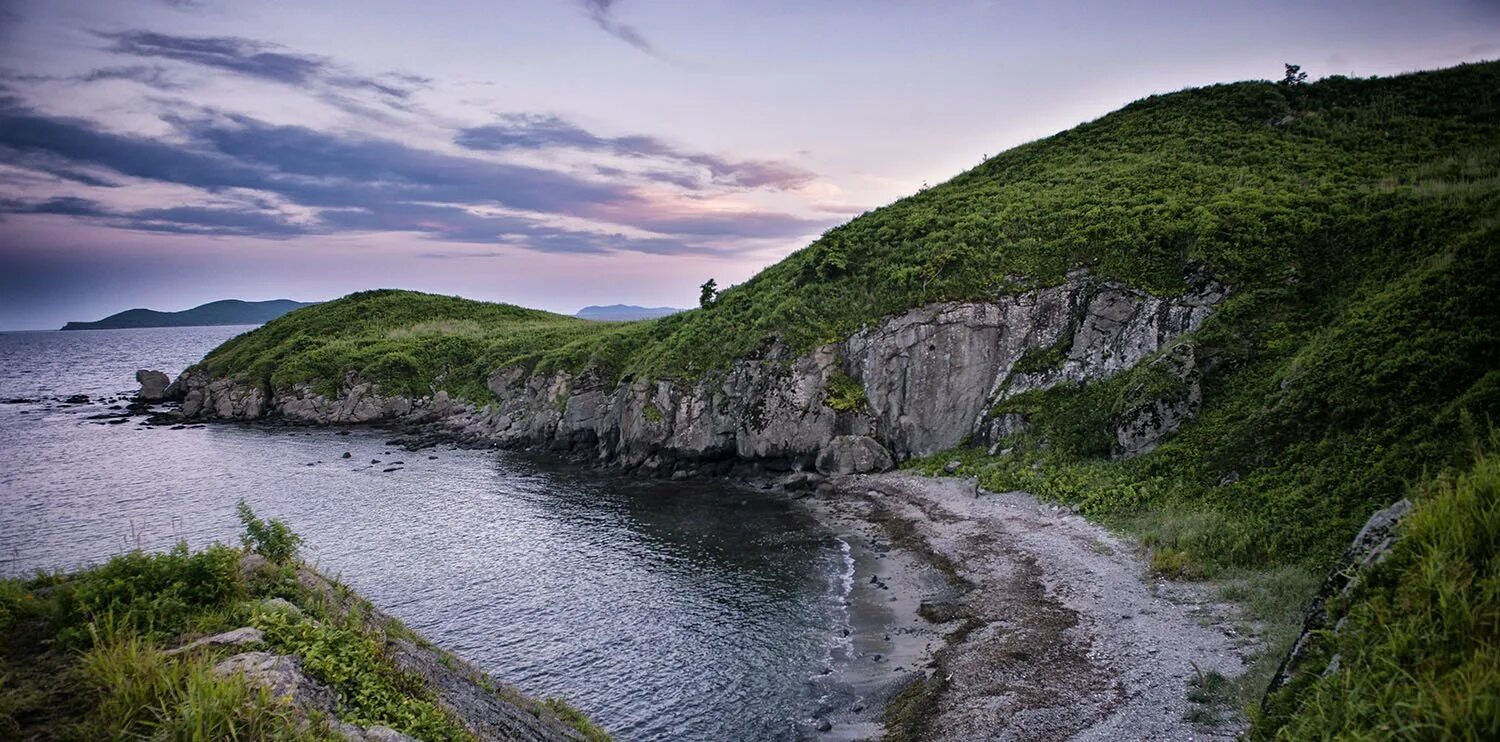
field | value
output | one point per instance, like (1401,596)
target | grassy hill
(224,312)
(1356,220)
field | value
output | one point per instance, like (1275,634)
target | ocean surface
(666,611)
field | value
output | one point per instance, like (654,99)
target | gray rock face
(282,677)
(1142,428)
(1372,545)
(854,454)
(932,376)
(154,385)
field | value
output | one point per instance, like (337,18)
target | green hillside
(1357,222)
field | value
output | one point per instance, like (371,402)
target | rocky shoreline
(917,383)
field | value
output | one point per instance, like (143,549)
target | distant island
(225,312)
(624,313)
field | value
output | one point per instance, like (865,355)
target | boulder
(154,385)
(853,454)
(282,677)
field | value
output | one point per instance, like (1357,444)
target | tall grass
(1418,653)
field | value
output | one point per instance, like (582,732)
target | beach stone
(853,454)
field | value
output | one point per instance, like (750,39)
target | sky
(559,153)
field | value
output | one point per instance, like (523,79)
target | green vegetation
(844,393)
(85,656)
(1419,654)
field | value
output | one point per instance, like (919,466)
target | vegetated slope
(407,341)
(225,312)
(1357,222)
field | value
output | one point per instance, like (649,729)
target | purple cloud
(534,132)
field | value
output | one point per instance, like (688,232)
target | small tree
(1294,75)
(271,538)
(708,293)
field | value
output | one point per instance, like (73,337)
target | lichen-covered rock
(854,454)
(1141,428)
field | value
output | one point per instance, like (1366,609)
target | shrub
(272,539)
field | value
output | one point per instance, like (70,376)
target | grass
(1419,652)
(83,656)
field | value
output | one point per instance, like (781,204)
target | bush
(271,539)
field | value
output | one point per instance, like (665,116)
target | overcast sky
(557,153)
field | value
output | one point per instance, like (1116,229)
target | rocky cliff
(916,383)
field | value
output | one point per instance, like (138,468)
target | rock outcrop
(932,377)
(1372,544)
(154,385)
(1142,427)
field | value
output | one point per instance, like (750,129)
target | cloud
(241,56)
(353,183)
(153,76)
(199,220)
(535,132)
(264,61)
(601,12)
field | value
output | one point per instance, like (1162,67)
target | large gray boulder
(154,385)
(853,454)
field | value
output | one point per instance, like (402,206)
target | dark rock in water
(387,471)
(432,458)
(1372,545)
(77,399)
(347,455)
(343,432)
(824,725)
(117,421)
(154,385)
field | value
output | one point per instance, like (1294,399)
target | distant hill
(624,312)
(225,312)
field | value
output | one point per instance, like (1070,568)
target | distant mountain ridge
(624,312)
(223,312)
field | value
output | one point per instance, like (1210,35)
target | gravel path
(1066,634)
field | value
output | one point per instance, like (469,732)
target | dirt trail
(1059,630)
